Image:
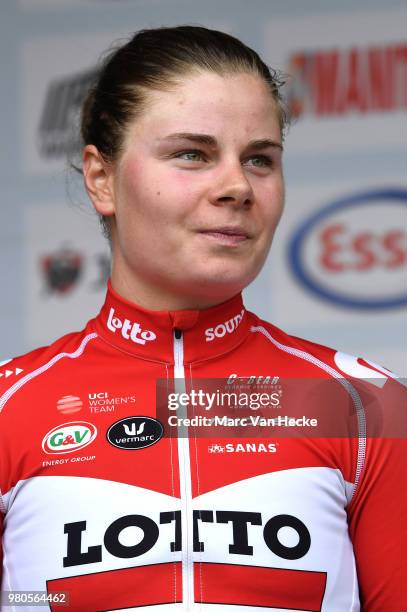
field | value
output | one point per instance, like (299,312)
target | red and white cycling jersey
(96,502)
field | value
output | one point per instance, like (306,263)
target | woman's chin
(219,287)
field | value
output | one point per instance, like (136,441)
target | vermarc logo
(135,432)
(130,331)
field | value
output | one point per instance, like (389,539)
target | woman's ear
(98,179)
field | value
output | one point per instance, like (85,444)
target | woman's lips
(228,237)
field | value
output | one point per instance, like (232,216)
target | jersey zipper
(184,461)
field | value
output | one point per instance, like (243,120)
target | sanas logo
(68,437)
(243,447)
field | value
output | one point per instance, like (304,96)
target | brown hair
(156,59)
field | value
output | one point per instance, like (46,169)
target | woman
(182,161)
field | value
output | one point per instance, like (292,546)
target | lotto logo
(130,331)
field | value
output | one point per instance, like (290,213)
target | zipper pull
(177,333)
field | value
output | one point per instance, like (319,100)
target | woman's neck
(150,297)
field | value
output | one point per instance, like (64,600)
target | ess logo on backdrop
(353,252)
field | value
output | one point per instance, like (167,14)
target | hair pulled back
(156,59)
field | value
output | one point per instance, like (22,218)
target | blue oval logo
(352,253)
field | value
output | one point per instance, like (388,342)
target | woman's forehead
(212,104)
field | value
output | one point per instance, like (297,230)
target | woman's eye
(260,161)
(191,155)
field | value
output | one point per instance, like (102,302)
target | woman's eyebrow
(210,141)
(192,137)
(264,143)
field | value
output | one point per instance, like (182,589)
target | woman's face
(197,192)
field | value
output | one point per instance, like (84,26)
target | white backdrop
(337,273)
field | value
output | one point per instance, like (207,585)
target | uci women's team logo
(68,437)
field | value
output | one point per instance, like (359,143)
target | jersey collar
(150,334)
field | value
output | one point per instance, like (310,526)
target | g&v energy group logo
(353,252)
(68,437)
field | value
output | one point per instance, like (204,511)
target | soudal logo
(59,119)
(353,252)
(240,447)
(228,327)
(336,82)
(62,270)
(68,437)
(134,433)
(129,330)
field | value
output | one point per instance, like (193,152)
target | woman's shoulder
(337,360)
(64,344)
(294,345)
(17,371)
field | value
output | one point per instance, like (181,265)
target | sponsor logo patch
(101,402)
(63,461)
(135,433)
(243,447)
(130,331)
(228,327)
(68,404)
(68,438)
